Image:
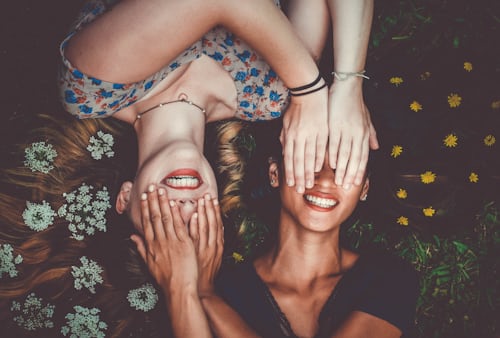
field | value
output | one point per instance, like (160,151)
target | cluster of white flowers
(101,145)
(40,157)
(143,298)
(7,260)
(38,217)
(84,213)
(32,313)
(88,275)
(84,323)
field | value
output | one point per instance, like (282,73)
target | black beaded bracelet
(307,86)
(310,91)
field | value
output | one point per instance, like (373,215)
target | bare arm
(170,256)
(351,130)
(157,31)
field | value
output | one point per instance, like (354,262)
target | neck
(303,254)
(167,125)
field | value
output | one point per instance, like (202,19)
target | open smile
(183,179)
(320,203)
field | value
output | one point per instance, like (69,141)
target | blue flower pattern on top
(261,94)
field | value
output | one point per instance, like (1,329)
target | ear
(123,197)
(364,190)
(273,173)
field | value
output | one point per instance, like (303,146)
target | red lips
(180,174)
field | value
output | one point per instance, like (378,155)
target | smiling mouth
(320,202)
(183,179)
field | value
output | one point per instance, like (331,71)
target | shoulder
(391,288)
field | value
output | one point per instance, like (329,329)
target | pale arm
(351,130)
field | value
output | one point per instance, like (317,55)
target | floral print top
(261,94)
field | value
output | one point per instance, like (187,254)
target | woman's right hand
(166,248)
(304,137)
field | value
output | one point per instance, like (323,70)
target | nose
(187,208)
(326,177)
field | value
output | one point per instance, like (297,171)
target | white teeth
(321,202)
(182,181)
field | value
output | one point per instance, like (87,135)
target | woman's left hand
(207,232)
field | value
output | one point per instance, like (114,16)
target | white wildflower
(143,298)
(32,313)
(38,217)
(88,275)
(84,323)
(85,212)
(102,145)
(7,260)
(40,157)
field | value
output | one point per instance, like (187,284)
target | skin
(302,268)
(351,132)
(134,31)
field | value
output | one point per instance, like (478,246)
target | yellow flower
(238,258)
(450,140)
(402,220)
(473,177)
(489,140)
(429,212)
(428,177)
(454,100)
(495,104)
(396,80)
(415,106)
(468,66)
(401,193)
(396,151)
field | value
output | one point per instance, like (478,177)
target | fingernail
(289,182)
(309,184)
(346,186)
(216,201)
(161,191)
(172,203)
(144,196)
(201,201)
(151,188)
(207,197)
(300,189)
(195,215)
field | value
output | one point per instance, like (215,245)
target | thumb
(139,243)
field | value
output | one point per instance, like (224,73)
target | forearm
(310,19)
(224,320)
(351,24)
(186,315)
(266,29)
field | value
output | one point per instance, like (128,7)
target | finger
(309,163)
(362,164)
(353,163)
(342,160)
(220,232)
(139,243)
(333,148)
(155,212)
(202,224)
(179,226)
(212,221)
(299,164)
(373,138)
(288,161)
(321,143)
(194,230)
(147,227)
